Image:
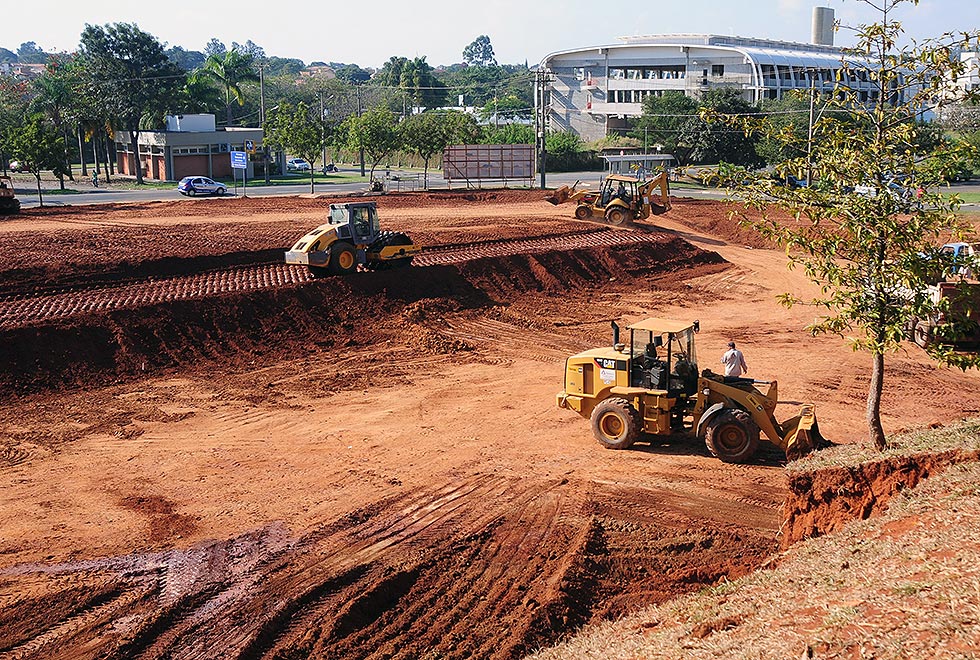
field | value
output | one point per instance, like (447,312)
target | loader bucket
(559,196)
(802,435)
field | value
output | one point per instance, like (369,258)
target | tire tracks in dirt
(20,309)
(486,566)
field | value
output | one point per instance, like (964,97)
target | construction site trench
(207,453)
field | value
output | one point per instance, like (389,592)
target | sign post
(239,161)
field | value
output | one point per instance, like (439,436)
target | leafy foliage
(480,52)
(38,146)
(375,132)
(297,130)
(870,250)
(130,73)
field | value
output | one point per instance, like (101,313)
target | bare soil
(205,453)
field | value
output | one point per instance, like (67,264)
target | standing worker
(734,361)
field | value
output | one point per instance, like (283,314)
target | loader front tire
(583,212)
(343,258)
(615,423)
(732,436)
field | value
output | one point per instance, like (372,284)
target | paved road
(88,195)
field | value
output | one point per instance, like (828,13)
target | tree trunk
(873,414)
(40,198)
(134,146)
(81,150)
(312,186)
(110,164)
(95,155)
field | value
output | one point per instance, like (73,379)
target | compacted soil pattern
(206,453)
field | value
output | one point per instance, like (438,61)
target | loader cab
(361,218)
(662,356)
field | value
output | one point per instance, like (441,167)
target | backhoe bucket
(802,435)
(559,196)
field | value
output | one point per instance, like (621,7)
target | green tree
(415,80)
(376,132)
(56,95)
(871,255)
(429,133)
(29,53)
(297,130)
(508,134)
(669,120)
(132,76)
(480,52)
(788,114)
(229,70)
(351,73)
(38,145)
(506,107)
(713,142)
(566,151)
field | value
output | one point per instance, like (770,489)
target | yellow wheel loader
(652,386)
(352,237)
(619,200)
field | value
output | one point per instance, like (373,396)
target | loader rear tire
(583,212)
(343,258)
(732,436)
(615,423)
(617,216)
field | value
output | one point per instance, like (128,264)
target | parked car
(200,185)
(297,165)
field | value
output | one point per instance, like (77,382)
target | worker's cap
(731,344)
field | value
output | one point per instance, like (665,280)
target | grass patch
(963,435)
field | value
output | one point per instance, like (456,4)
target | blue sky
(368,33)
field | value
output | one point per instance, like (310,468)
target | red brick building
(191,146)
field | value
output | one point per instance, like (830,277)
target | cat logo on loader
(652,386)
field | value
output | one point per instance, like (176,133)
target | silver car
(200,185)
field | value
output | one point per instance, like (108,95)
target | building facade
(191,145)
(594,91)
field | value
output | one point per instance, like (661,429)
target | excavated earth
(206,453)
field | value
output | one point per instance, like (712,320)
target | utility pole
(809,136)
(265,149)
(542,130)
(323,133)
(358,88)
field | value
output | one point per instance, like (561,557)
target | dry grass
(902,585)
(964,436)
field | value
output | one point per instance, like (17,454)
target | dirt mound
(271,324)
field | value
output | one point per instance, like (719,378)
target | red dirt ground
(373,466)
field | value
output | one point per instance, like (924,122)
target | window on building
(717,70)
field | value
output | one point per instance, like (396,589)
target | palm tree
(228,69)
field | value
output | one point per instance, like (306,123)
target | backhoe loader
(620,199)
(651,386)
(352,237)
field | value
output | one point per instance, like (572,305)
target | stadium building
(593,91)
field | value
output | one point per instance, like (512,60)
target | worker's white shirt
(734,362)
